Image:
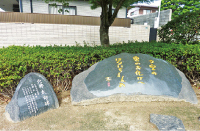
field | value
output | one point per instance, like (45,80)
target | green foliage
(180,7)
(108,5)
(183,29)
(60,64)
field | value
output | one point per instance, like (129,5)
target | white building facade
(82,8)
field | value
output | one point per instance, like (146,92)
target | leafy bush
(60,64)
(183,29)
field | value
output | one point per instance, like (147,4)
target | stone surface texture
(170,84)
(33,95)
(167,123)
(166,82)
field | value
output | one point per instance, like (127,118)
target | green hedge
(60,64)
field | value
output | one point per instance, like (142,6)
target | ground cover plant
(59,64)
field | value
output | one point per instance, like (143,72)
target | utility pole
(31,5)
(157,19)
(20,6)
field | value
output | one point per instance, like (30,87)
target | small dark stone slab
(33,95)
(130,75)
(167,123)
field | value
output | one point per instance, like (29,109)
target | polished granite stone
(135,76)
(33,95)
(131,75)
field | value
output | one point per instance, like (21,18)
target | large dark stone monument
(131,77)
(167,123)
(33,95)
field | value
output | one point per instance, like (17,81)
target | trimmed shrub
(60,64)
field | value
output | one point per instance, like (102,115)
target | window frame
(113,10)
(63,11)
(148,11)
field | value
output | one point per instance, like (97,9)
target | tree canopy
(184,29)
(180,7)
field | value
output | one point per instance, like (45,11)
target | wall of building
(83,8)
(165,16)
(152,10)
(60,34)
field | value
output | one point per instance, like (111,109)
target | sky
(156,3)
(1,10)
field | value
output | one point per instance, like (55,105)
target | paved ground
(111,116)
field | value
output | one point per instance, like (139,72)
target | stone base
(126,98)
(7,115)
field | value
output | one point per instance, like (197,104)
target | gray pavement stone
(167,123)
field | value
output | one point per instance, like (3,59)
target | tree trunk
(107,18)
(104,26)
(104,35)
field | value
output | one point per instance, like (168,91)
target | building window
(113,10)
(146,12)
(134,13)
(71,10)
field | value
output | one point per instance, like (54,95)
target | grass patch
(93,121)
(188,115)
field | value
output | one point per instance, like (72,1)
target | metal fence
(16,17)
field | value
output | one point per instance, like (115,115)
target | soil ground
(111,116)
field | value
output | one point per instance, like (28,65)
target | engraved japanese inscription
(132,74)
(34,95)
(123,75)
